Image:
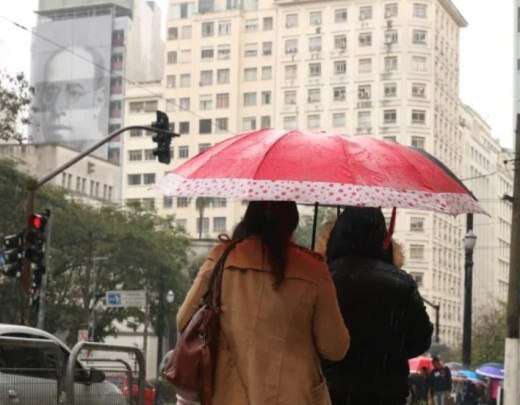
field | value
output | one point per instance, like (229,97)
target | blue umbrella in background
(470,375)
(491,370)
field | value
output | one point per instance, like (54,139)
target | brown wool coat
(272,339)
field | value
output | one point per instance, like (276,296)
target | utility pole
(42,307)
(160,321)
(146,322)
(512,352)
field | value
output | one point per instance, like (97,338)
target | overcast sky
(486,56)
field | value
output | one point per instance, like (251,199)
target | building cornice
(454,12)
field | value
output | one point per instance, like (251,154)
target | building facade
(388,69)
(489,172)
(83,55)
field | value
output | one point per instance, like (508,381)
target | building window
(419,63)
(221,124)
(249,99)
(418,142)
(149,178)
(183,202)
(365,65)
(339,94)
(313,121)
(223,100)
(184,127)
(207,29)
(389,116)
(135,155)
(291,72)
(202,225)
(250,50)
(416,252)
(185,80)
(203,147)
(206,6)
(338,120)
(365,13)
(186,32)
(315,44)
(117,61)
(172,57)
(391,10)
(420,10)
(365,92)
(184,103)
(390,90)
(170,81)
(170,104)
(291,21)
(206,102)
(223,52)
(148,154)
(365,39)
(390,139)
(135,133)
(390,63)
(290,97)
(267,48)
(134,179)
(266,97)
(340,67)
(223,76)
(418,90)
(224,27)
(291,46)
(391,37)
(207,54)
(417,224)
(364,119)
(267,23)
(315,18)
(267,72)
(289,122)
(148,203)
(265,122)
(205,126)
(251,25)
(206,78)
(418,117)
(249,123)
(313,96)
(184,152)
(418,277)
(340,15)
(185,56)
(136,107)
(419,37)
(219,224)
(118,38)
(115,109)
(250,74)
(167,202)
(340,42)
(314,69)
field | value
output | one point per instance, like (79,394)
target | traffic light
(35,238)
(11,255)
(162,139)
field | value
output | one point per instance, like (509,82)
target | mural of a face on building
(72,99)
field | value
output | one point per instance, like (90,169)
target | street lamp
(170,297)
(469,245)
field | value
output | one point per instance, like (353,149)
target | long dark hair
(274,223)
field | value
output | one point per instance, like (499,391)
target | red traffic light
(37,222)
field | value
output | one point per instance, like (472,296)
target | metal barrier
(31,371)
(73,361)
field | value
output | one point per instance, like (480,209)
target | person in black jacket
(382,308)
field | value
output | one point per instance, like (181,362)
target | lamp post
(170,299)
(469,245)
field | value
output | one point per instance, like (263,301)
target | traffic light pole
(42,306)
(34,185)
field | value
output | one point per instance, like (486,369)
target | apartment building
(387,69)
(488,171)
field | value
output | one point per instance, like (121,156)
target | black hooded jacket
(388,324)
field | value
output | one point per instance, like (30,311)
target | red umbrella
(419,363)
(325,168)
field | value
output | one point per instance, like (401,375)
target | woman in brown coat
(279,314)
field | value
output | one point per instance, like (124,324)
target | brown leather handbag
(192,365)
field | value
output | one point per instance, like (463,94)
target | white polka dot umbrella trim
(318,192)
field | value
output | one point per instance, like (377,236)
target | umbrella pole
(314,226)
(338,211)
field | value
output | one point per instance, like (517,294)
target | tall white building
(488,170)
(388,69)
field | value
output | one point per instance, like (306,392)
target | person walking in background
(279,314)
(440,382)
(382,307)
(419,387)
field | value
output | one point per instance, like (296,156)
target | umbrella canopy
(418,363)
(454,366)
(491,370)
(325,168)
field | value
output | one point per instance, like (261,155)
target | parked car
(28,375)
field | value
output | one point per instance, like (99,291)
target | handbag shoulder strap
(212,297)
